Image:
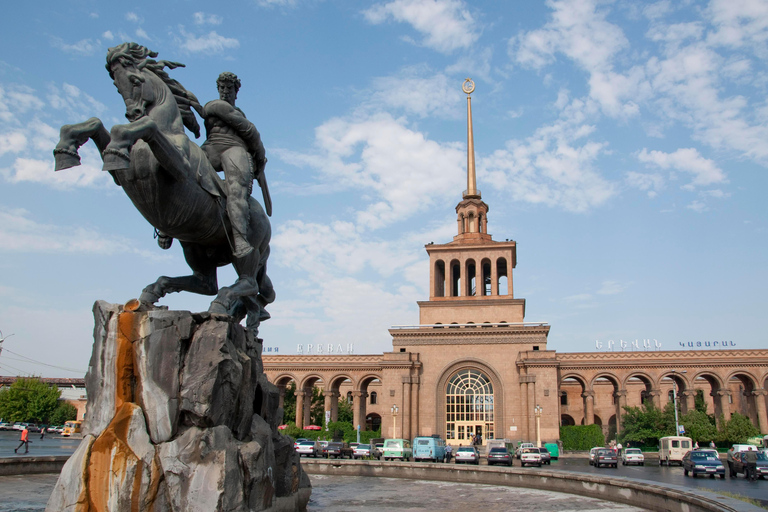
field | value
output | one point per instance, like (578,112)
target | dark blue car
(703,462)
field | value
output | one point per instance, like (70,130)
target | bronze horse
(171,182)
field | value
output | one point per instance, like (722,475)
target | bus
(71,427)
(672,449)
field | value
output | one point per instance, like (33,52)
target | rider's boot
(242,247)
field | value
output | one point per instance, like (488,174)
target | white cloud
(276,3)
(705,172)
(436,95)
(697,206)
(142,34)
(446,25)
(739,23)
(611,288)
(83,47)
(202,18)
(41,171)
(651,183)
(108,35)
(553,167)
(76,103)
(132,16)
(20,233)
(404,170)
(209,43)
(13,142)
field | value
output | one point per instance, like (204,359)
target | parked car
(467,455)
(606,457)
(703,462)
(337,450)
(55,429)
(499,456)
(33,428)
(736,448)
(521,447)
(740,466)
(632,456)
(300,440)
(378,450)
(397,449)
(361,450)
(546,458)
(530,457)
(309,449)
(4,425)
(429,448)
(592,453)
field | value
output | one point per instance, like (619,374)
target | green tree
(646,424)
(581,437)
(737,429)
(345,411)
(699,426)
(64,412)
(28,399)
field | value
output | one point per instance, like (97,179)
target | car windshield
(762,456)
(704,455)
(307,443)
(466,449)
(530,450)
(363,447)
(605,452)
(633,451)
(393,444)
(498,450)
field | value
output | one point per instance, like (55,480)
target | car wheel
(685,472)
(722,477)
(642,463)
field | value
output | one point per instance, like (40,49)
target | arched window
(374,396)
(439,278)
(469,407)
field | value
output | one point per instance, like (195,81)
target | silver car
(467,455)
(309,449)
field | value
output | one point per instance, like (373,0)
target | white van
(672,449)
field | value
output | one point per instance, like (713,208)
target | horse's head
(125,64)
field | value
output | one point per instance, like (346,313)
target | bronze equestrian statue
(174,185)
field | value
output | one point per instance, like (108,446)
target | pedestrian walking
(25,441)
(750,459)
(42,433)
(448,451)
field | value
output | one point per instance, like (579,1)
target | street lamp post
(394,421)
(674,399)
(537,412)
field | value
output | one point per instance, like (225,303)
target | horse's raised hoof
(115,159)
(148,296)
(65,158)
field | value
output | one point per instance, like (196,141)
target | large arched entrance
(469,405)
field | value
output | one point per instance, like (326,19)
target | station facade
(474,366)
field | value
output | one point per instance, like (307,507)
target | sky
(623,145)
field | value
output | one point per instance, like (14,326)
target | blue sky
(622,144)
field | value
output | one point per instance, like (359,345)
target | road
(667,475)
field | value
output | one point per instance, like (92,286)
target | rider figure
(233,145)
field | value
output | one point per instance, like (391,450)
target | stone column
(406,412)
(655,395)
(335,406)
(415,402)
(531,404)
(762,415)
(307,406)
(621,402)
(460,222)
(358,408)
(689,400)
(484,228)
(494,278)
(281,389)
(589,407)
(299,408)
(722,405)
(328,403)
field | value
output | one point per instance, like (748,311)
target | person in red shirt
(24,441)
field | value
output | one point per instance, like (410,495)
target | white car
(309,448)
(522,447)
(530,457)
(361,450)
(632,456)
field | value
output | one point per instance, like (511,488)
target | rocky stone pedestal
(180,418)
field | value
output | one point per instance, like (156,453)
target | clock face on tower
(468,86)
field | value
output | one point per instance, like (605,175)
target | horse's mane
(137,55)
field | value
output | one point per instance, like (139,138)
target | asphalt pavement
(52,444)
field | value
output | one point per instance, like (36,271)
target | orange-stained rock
(122,472)
(70,492)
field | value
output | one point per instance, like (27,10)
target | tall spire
(468,87)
